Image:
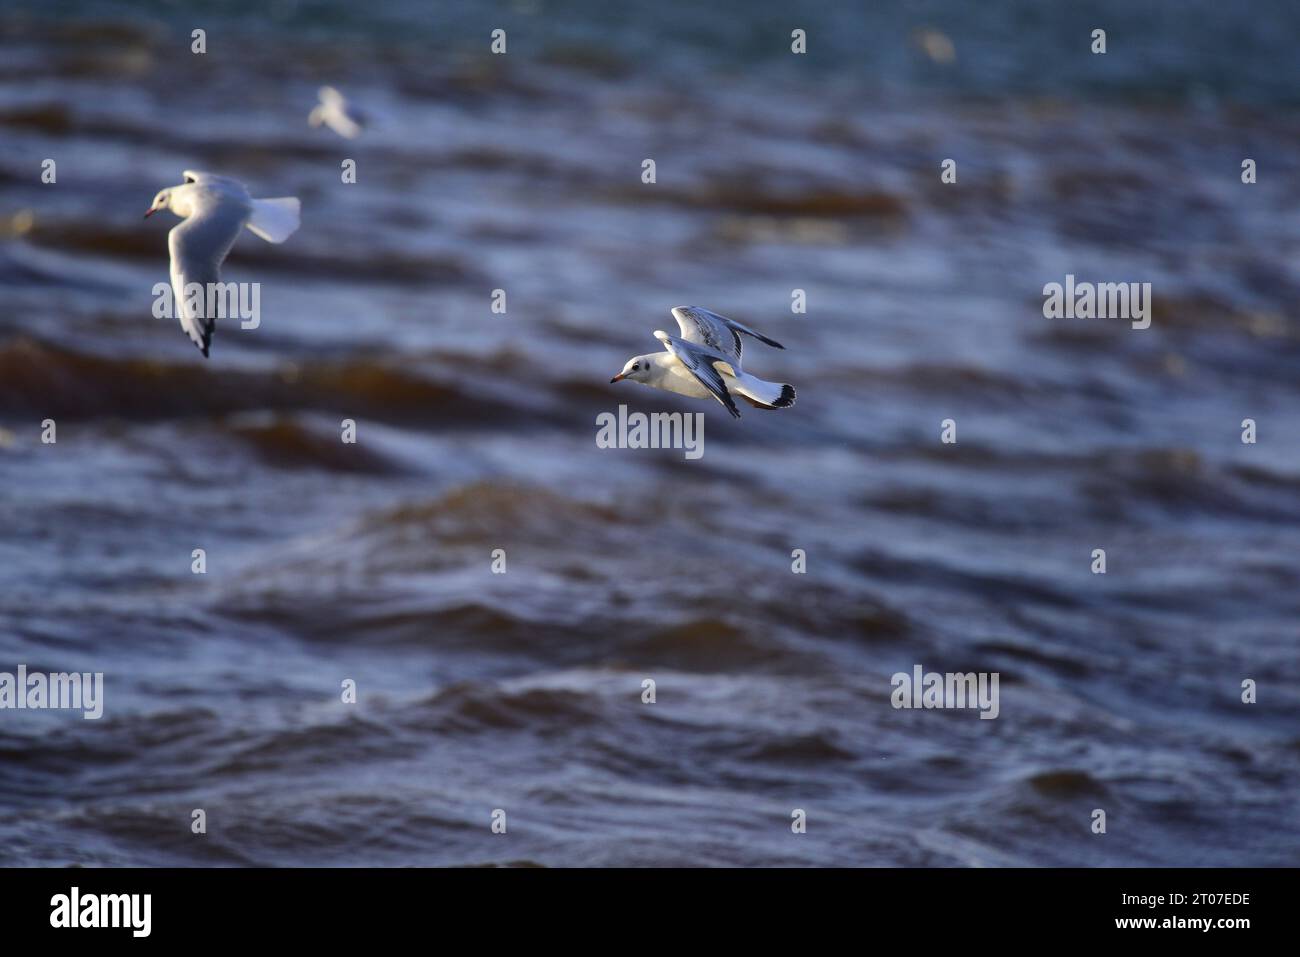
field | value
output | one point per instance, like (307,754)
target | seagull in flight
(214,209)
(336,113)
(705,361)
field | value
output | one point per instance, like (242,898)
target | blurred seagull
(215,208)
(705,361)
(336,113)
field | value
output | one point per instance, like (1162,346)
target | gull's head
(161,201)
(637,369)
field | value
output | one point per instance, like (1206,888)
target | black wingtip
(787,398)
(764,339)
(727,402)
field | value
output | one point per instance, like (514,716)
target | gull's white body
(668,373)
(215,209)
(705,361)
(335,112)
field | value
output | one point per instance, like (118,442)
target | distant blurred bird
(935,45)
(335,112)
(215,208)
(705,361)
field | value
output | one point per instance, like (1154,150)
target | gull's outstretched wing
(707,328)
(700,361)
(198,247)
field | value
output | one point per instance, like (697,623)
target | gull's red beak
(617,378)
(149,212)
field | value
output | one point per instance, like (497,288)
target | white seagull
(705,361)
(336,113)
(215,208)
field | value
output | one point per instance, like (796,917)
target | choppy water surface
(523,691)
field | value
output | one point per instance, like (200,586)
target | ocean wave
(49,379)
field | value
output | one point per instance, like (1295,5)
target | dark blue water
(522,691)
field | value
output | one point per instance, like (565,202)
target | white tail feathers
(275,220)
(760,392)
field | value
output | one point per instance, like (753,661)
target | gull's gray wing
(198,247)
(714,331)
(700,361)
(708,329)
